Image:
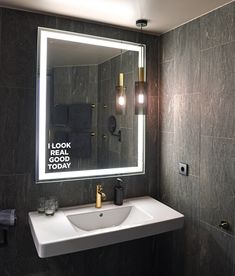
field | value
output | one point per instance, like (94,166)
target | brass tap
(99,196)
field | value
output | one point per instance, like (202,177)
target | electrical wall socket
(183,169)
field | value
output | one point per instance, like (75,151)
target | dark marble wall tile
(185,244)
(216,250)
(202,135)
(152,153)
(187,58)
(67,24)
(187,131)
(152,72)
(18,47)
(0,35)
(167,78)
(218,69)
(218,100)
(218,27)
(186,193)
(217,180)
(181,253)
(17,111)
(167,51)
(166,112)
(218,111)
(234,257)
(166,167)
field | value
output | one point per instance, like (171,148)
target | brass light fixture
(121,93)
(121,96)
(141,85)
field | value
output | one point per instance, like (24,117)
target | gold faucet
(99,196)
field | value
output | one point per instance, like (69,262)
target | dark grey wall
(197,123)
(18,42)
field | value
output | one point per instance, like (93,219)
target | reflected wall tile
(217,194)
(114,159)
(79,82)
(115,70)
(127,62)
(127,147)
(113,143)
(105,71)
(127,119)
(187,131)
(218,27)
(93,74)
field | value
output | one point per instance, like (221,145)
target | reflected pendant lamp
(121,96)
(141,85)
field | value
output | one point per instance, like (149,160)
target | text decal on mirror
(59,158)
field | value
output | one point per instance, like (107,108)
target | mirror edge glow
(41,175)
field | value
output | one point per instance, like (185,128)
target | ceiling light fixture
(141,85)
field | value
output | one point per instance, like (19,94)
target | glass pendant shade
(120,97)
(141,94)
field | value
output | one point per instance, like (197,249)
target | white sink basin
(83,227)
(95,220)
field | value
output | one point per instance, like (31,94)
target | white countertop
(55,235)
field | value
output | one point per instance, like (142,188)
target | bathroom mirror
(76,79)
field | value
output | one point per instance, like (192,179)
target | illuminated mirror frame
(41,175)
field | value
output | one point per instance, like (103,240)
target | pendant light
(141,85)
(121,96)
(121,93)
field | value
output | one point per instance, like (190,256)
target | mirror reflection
(85,134)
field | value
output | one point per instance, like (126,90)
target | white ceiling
(66,53)
(163,15)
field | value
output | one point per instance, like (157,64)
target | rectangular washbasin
(84,227)
(95,220)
